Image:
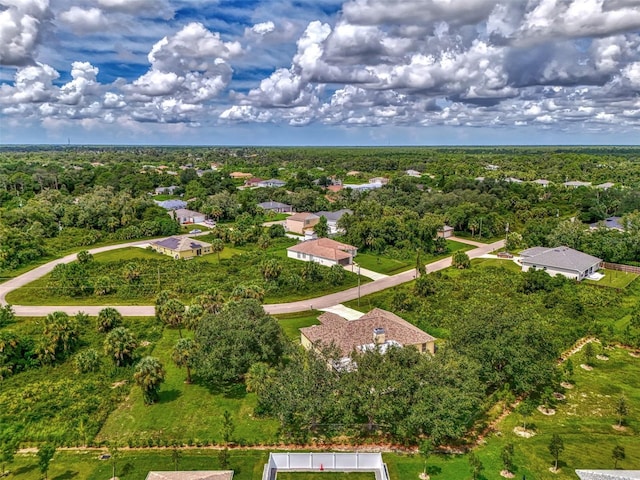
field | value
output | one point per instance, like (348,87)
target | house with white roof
(324,251)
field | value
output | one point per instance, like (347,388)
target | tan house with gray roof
(299,222)
(182,247)
(376,329)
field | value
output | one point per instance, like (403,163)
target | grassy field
(187,413)
(614,279)
(292,322)
(496,262)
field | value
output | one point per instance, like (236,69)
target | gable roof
(348,335)
(301,216)
(324,248)
(269,205)
(184,212)
(577,183)
(334,216)
(564,258)
(194,475)
(605,185)
(181,244)
(171,204)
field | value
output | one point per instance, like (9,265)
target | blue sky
(320,72)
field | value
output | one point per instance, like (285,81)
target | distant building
(491,167)
(272,183)
(376,329)
(576,184)
(181,247)
(299,222)
(605,186)
(324,251)
(240,175)
(413,173)
(611,222)
(381,180)
(252,182)
(333,218)
(185,216)
(275,207)
(445,232)
(542,181)
(363,187)
(560,261)
(512,180)
(165,190)
(171,204)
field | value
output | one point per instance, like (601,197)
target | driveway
(325,301)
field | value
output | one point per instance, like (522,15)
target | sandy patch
(521,432)
(506,474)
(546,411)
(424,476)
(553,470)
(567,385)
(586,367)
(145,343)
(635,354)
(602,357)
(559,396)
(118,384)
(619,428)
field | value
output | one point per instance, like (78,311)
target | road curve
(275,308)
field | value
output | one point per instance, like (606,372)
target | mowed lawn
(187,413)
(291,323)
(614,279)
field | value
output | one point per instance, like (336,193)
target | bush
(87,361)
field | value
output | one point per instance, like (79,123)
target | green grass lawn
(187,412)
(291,323)
(614,279)
(496,262)
(382,264)
(476,238)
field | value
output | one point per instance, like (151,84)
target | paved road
(148,310)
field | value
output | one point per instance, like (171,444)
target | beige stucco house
(182,247)
(324,251)
(302,221)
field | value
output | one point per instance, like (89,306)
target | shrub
(87,361)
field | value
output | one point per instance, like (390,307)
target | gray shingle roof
(334,216)
(181,243)
(564,258)
(270,205)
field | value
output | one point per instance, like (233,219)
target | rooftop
(348,335)
(270,205)
(611,222)
(301,216)
(172,204)
(334,216)
(181,243)
(324,248)
(559,257)
(183,212)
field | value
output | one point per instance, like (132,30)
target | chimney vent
(379,336)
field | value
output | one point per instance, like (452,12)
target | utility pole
(358,284)
(506,235)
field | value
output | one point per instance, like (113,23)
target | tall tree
(108,319)
(182,355)
(618,454)
(172,314)
(149,375)
(217,246)
(556,447)
(120,345)
(622,409)
(45,454)
(321,229)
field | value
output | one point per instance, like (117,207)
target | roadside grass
(191,414)
(467,235)
(613,278)
(292,322)
(382,264)
(496,262)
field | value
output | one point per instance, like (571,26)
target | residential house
(376,329)
(353,173)
(491,167)
(333,218)
(363,187)
(216,166)
(181,247)
(381,180)
(560,261)
(252,182)
(276,207)
(172,204)
(191,475)
(611,223)
(605,186)
(512,180)
(272,183)
(240,175)
(413,173)
(576,184)
(542,181)
(300,222)
(324,251)
(445,232)
(334,188)
(185,216)
(165,190)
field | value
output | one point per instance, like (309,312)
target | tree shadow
(235,390)
(65,476)
(126,469)
(25,469)
(167,396)
(433,470)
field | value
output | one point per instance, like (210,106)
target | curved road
(292,307)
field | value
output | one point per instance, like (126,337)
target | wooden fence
(621,268)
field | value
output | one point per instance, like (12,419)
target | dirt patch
(619,428)
(635,354)
(586,367)
(559,396)
(145,343)
(602,357)
(506,474)
(118,384)
(554,470)
(567,385)
(546,411)
(521,432)
(424,476)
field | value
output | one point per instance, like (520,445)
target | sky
(320,72)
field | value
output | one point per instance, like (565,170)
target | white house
(185,216)
(271,183)
(560,261)
(324,251)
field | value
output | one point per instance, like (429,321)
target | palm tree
(60,332)
(210,301)
(182,355)
(172,314)
(271,269)
(120,345)
(149,375)
(248,291)
(217,246)
(108,319)
(258,377)
(193,316)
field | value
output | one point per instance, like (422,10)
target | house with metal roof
(324,251)
(576,184)
(560,261)
(182,247)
